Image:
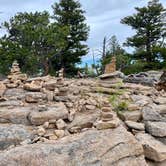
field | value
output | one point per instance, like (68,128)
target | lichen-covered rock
(157,129)
(130,115)
(12,134)
(55,112)
(153,149)
(104,147)
(17,115)
(135,125)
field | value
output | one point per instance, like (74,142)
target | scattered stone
(116,74)
(53,137)
(55,112)
(101,125)
(46,125)
(157,129)
(60,124)
(130,115)
(36,97)
(50,85)
(149,114)
(83,120)
(32,87)
(133,107)
(153,149)
(160,100)
(90,107)
(135,125)
(59,133)
(42,108)
(41,131)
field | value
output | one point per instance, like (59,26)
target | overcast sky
(103,16)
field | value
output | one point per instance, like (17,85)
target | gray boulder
(115,147)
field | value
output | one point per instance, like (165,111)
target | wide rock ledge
(115,147)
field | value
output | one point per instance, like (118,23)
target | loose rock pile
(57,121)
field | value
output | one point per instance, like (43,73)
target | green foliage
(42,45)
(150,32)
(122,106)
(31,40)
(117,103)
(69,13)
(113,100)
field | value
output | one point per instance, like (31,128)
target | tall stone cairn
(162,82)
(15,77)
(111,67)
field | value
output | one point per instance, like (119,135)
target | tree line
(44,43)
(149,24)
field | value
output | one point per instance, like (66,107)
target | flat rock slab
(150,114)
(83,120)
(153,149)
(130,115)
(11,134)
(157,129)
(115,147)
(11,103)
(17,93)
(135,125)
(58,111)
(17,115)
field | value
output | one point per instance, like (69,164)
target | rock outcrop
(104,147)
(58,121)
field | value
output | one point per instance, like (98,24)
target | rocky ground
(48,121)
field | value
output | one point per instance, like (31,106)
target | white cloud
(102,16)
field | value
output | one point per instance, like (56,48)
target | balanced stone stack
(110,68)
(162,82)
(108,119)
(111,76)
(15,77)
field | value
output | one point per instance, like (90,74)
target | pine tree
(69,13)
(149,26)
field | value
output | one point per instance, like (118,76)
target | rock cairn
(110,68)
(162,82)
(108,119)
(15,77)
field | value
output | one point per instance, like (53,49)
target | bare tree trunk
(104,53)
(46,67)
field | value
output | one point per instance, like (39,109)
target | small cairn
(111,67)
(162,82)
(108,119)
(15,77)
(111,76)
(60,79)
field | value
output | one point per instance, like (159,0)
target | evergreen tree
(31,40)
(150,30)
(69,13)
